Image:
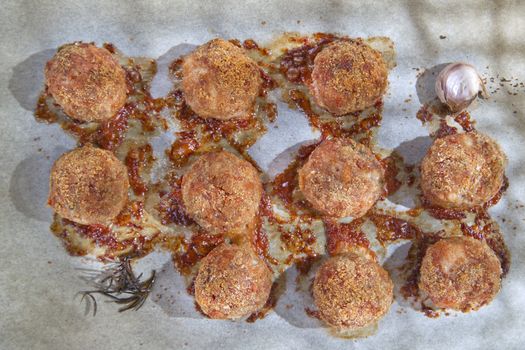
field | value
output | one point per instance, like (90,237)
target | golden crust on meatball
(352,291)
(87,82)
(88,185)
(342,178)
(460,273)
(232,282)
(222,193)
(462,170)
(220,81)
(348,76)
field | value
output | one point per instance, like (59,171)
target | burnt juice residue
(171,207)
(341,237)
(285,183)
(136,161)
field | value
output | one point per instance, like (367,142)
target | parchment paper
(38,279)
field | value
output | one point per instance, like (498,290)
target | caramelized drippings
(175,67)
(444,129)
(391,229)
(260,237)
(261,245)
(297,64)
(305,264)
(442,213)
(312,313)
(200,244)
(100,234)
(136,161)
(286,182)
(465,121)
(365,125)
(485,229)
(250,44)
(110,47)
(392,184)
(268,83)
(334,127)
(342,237)
(183,147)
(110,134)
(42,111)
(271,111)
(212,130)
(497,197)
(134,210)
(171,206)
(430,313)
(300,241)
(424,114)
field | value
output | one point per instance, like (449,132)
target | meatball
(462,171)
(222,193)
(87,82)
(220,81)
(88,185)
(342,178)
(232,282)
(348,76)
(460,273)
(352,291)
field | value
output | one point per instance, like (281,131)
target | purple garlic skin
(458,85)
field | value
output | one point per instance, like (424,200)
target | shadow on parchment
(171,294)
(394,266)
(297,298)
(412,152)
(162,82)
(29,185)
(426,85)
(27,80)
(283,159)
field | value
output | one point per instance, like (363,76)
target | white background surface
(38,279)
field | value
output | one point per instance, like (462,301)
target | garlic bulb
(458,84)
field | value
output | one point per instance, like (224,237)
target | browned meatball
(342,178)
(222,193)
(87,82)
(348,76)
(220,81)
(462,170)
(88,185)
(460,273)
(352,291)
(232,282)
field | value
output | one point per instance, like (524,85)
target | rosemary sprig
(119,283)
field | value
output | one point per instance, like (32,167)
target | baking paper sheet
(38,279)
